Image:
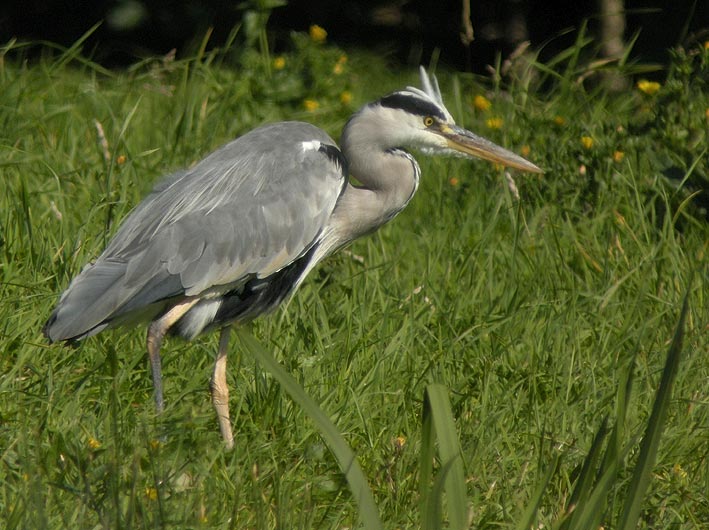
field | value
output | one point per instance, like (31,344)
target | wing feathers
(247,210)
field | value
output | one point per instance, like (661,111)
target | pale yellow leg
(156,332)
(220,390)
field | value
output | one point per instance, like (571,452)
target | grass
(538,316)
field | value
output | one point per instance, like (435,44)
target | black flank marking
(411,104)
(335,156)
(260,296)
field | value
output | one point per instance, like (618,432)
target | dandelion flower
(311,105)
(618,156)
(340,65)
(559,120)
(648,87)
(121,159)
(94,443)
(525,150)
(494,123)
(346,97)
(279,63)
(481,103)
(317,34)
(151,494)
(679,472)
(587,142)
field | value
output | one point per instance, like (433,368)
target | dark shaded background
(407,32)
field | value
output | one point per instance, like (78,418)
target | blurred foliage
(407,32)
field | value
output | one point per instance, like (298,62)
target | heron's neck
(388,177)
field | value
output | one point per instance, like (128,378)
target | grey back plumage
(248,210)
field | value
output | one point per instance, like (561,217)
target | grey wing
(246,211)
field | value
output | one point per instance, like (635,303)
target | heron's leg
(220,390)
(156,332)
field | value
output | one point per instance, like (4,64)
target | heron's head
(418,118)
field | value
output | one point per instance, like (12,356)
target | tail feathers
(89,303)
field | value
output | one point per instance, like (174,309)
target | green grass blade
(368,512)
(526,521)
(437,412)
(584,484)
(429,520)
(655,426)
(73,53)
(431,517)
(591,511)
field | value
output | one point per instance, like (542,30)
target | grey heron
(231,237)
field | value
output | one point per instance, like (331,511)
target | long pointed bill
(464,141)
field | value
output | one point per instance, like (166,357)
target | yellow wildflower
(340,64)
(618,156)
(151,494)
(317,34)
(400,441)
(155,444)
(648,87)
(679,472)
(121,159)
(453,181)
(559,120)
(311,105)
(481,102)
(706,44)
(346,97)
(494,123)
(94,443)
(587,142)
(279,63)
(525,150)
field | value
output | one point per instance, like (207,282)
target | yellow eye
(428,121)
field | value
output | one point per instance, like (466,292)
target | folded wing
(246,211)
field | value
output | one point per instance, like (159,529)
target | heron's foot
(220,390)
(220,400)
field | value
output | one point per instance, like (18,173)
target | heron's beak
(464,141)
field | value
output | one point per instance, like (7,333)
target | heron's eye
(428,121)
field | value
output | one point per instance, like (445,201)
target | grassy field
(531,301)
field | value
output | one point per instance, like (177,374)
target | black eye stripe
(411,104)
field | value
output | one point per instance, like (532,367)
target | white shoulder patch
(312,145)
